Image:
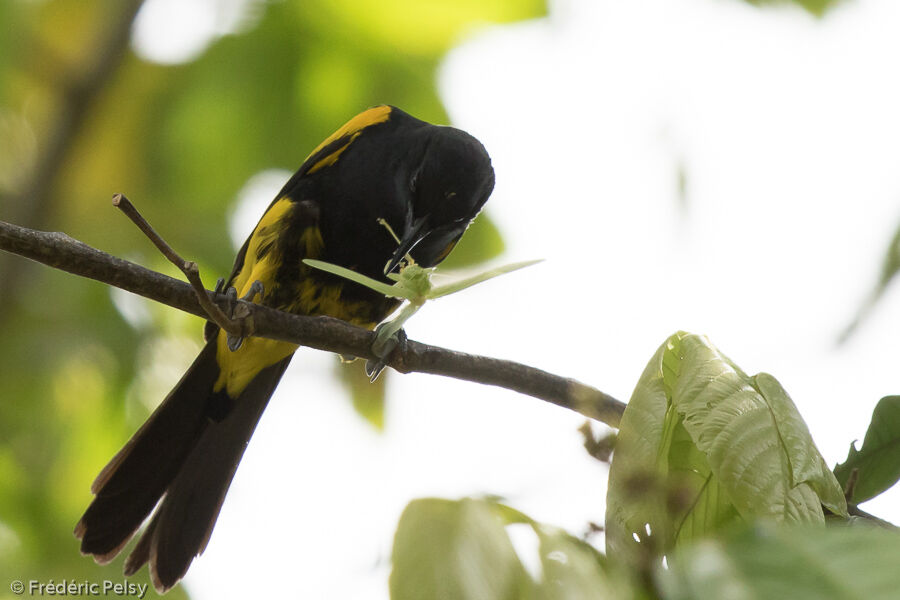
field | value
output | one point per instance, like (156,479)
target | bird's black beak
(414,234)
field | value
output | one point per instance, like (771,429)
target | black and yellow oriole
(428,182)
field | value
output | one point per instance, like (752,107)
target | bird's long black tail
(186,454)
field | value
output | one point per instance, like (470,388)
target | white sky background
(788,132)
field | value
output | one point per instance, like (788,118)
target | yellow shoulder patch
(350,131)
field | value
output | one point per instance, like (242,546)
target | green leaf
(368,397)
(757,443)
(454,549)
(696,498)
(804,460)
(800,563)
(572,569)
(878,461)
(636,498)
(703,445)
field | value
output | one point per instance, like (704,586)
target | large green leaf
(702,445)
(456,550)
(635,500)
(800,563)
(878,461)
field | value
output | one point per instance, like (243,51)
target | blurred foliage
(890,266)
(800,563)
(462,549)
(368,396)
(81,367)
(450,549)
(816,7)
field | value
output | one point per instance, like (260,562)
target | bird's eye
(450,195)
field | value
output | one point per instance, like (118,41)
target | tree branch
(324,333)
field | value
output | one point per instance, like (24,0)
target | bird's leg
(387,339)
(388,336)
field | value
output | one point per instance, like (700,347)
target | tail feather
(132,483)
(186,454)
(184,521)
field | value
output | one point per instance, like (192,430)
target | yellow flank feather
(311,242)
(262,269)
(238,368)
(316,298)
(350,130)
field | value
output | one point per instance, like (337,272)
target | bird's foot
(234,313)
(387,339)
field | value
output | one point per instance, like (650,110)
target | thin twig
(189,268)
(324,333)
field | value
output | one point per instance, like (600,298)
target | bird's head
(451,181)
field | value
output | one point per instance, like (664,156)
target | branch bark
(324,333)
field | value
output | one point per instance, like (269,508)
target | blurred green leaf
(878,461)
(815,7)
(890,266)
(572,569)
(702,445)
(422,28)
(368,398)
(460,549)
(800,563)
(453,549)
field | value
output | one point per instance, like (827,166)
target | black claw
(220,284)
(234,341)
(256,289)
(375,367)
